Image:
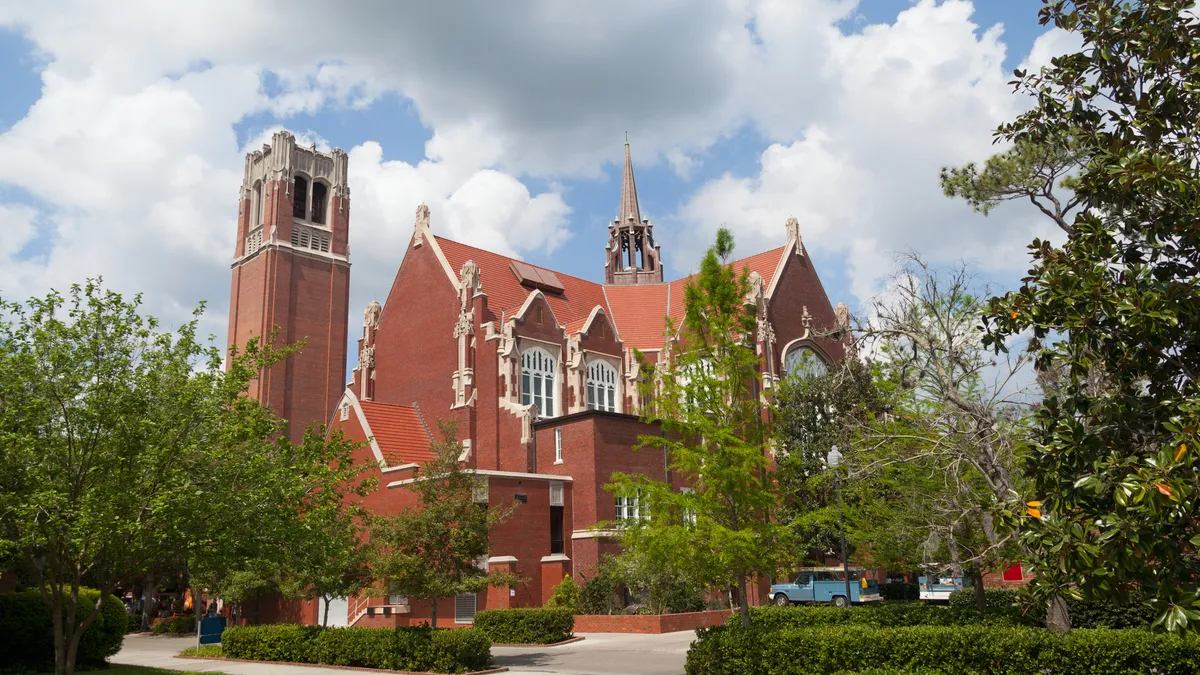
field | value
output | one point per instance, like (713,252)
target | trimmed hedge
(27,631)
(533,625)
(176,625)
(882,615)
(422,648)
(966,650)
(1084,613)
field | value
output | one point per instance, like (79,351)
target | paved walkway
(597,654)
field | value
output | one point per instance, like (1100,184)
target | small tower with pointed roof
(631,257)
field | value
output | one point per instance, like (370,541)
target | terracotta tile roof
(398,430)
(505,293)
(639,312)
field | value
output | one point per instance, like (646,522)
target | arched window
(537,380)
(300,198)
(803,361)
(319,198)
(256,213)
(601,386)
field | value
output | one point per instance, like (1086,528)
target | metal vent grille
(464,608)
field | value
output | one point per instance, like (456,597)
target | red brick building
(537,367)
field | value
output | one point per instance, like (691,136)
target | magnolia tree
(722,531)
(1114,311)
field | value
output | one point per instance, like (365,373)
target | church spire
(629,199)
(631,256)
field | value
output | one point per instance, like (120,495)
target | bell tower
(632,257)
(291,270)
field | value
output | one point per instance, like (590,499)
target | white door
(339,611)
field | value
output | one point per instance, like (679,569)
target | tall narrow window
(300,198)
(556,530)
(320,196)
(602,386)
(537,380)
(256,215)
(557,445)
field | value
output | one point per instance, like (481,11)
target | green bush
(414,648)
(565,595)
(966,650)
(883,615)
(1084,613)
(526,625)
(900,591)
(27,631)
(176,625)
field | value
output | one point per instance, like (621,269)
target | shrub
(565,595)
(413,648)
(604,593)
(526,625)
(969,650)
(878,615)
(900,591)
(27,631)
(174,625)
(1084,613)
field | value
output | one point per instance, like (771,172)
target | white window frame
(689,516)
(630,508)
(602,386)
(539,381)
(558,456)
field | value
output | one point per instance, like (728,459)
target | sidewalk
(597,654)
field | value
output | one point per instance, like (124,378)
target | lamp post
(832,460)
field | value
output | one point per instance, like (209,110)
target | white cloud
(131,144)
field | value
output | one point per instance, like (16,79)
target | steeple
(629,199)
(631,256)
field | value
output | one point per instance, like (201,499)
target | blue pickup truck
(825,584)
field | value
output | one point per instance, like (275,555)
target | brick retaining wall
(649,623)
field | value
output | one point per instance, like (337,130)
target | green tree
(106,424)
(433,550)
(328,557)
(956,415)
(1114,311)
(1041,172)
(812,415)
(713,433)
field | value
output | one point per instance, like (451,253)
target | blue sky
(124,128)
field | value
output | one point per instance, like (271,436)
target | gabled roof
(638,311)
(505,293)
(399,432)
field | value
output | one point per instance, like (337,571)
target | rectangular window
(464,608)
(526,390)
(556,530)
(558,444)
(591,396)
(395,599)
(630,509)
(689,515)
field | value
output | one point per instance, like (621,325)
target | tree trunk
(197,610)
(1058,618)
(325,616)
(956,569)
(980,594)
(743,605)
(149,600)
(433,613)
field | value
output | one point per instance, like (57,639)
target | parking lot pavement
(602,654)
(596,654)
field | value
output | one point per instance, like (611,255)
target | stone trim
(502,560)
(784,259)
(595,534)
(497,474)
(555,557)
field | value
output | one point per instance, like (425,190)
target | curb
(568,641)
(325,665)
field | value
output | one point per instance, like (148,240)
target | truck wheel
(781,600)
(840,601)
